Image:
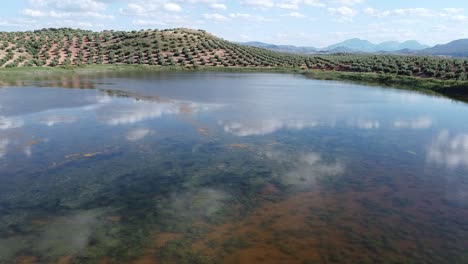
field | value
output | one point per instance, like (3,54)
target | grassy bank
(450,88)
(24,71)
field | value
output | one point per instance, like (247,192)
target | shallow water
(229,168)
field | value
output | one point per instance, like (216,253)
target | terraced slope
(194,48)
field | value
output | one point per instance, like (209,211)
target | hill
(184,47)
(353,44)
(457,48)
(190,48)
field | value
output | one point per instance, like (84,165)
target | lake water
(229,168)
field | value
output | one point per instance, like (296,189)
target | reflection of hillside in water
(52,80)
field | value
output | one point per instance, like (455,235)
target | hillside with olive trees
(196,48)
(183,47)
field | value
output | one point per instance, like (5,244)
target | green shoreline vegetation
(65,50)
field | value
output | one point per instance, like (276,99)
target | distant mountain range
(457,48)
(351,45)
(367,46)
(281,48)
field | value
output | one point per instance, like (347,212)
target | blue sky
(298,22)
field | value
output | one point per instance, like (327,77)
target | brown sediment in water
(159,241)
(33,142)
(40,222)
(114,219)
(329,226)
(203,131)
(267,234)
(65,260)
(185,109)
(270,189)
(27,260)
(89,155)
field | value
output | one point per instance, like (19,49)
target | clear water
(229,168)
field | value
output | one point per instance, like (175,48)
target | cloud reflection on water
(55,237)
(451,151)
(365,124)
(68,235)
(4,142)
(138,134)
(196,204)
(10,122)
(418,123)
(118,112)
(264,127)
(54,119)
(306,168)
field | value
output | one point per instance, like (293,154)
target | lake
(229,168)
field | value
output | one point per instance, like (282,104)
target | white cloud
(250,17)
(215,17)
(287,6)
(67,9)
(347,2)
(454,14)
(33,13)
(240,15)
(70,5)
(260,3)
(55,14)
(453,10)
(141,22)
(218,6)
(296,15)
(460,18)
(406,12)
(296,4)
(172,7)
(18,23)
(414,12)
(344,13)
(370,11)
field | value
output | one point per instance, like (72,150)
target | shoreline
(457,90)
